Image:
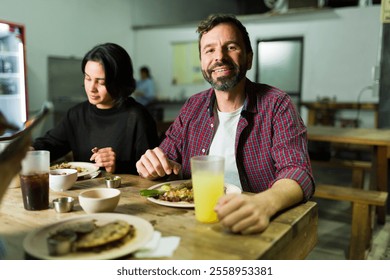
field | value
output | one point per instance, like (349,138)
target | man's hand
(155,164)
(242,214)
(252,213)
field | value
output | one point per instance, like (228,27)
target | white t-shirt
(224,142)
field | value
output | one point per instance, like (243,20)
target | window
(186,64)
(280,64)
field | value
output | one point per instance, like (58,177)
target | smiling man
(254,126)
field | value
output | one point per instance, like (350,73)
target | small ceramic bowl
(113,181)
(62,179)
(63,204)
(99,200)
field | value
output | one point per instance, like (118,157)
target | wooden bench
(363,203)
(359,168)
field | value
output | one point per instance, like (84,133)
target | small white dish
(99,200)
(62,179)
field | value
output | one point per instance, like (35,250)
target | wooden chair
(358,168)
(363,206)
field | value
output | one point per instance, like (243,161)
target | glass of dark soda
(35,191)
(34,180)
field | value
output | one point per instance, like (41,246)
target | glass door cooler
(13,91)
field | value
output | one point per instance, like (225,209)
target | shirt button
(212,125)
(203,150)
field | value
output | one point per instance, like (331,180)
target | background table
(377,139)
(330,109)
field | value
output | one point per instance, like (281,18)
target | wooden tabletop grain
(291,234)
(350,135)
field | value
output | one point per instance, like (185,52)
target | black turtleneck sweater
(130,130)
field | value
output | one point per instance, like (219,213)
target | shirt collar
(250,97)
(212,98)
(249,103)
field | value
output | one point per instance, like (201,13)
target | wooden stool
(363,203)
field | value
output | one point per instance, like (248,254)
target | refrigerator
(13,91)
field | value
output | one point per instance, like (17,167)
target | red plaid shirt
(271,141)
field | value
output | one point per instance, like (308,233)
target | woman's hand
(104,157)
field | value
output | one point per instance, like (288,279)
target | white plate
(88,167)
(230,188)
(35,242)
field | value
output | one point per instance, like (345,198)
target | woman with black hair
(111,128)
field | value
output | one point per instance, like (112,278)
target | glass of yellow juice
(208,185)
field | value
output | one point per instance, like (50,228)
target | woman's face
(94,84)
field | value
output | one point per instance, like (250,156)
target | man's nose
(219,54)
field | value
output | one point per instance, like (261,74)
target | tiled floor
(334,225)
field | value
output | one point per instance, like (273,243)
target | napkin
(158,246)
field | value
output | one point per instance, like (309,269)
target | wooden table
(314,107)
(378,139)
(291,234)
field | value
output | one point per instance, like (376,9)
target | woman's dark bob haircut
(118,68)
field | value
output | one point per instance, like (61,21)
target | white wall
(341,47)
(65,28)
(168,12)
(153,47)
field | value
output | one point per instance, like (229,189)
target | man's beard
(225,83)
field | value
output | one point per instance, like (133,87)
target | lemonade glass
(208,185)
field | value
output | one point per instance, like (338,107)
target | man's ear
(249,60)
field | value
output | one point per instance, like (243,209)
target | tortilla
(103,235)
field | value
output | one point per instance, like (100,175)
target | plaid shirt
(270,144)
